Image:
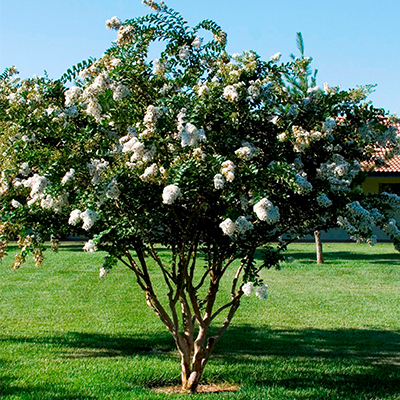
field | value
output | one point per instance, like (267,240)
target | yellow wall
(371,185)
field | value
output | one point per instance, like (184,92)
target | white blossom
(197,42)
(329,124)
(68,177)
(228,227)
(96,168)
(120,92)
(228,170)
(191,136)
(90,246)
(219,181)
(113,23)
(323,200)
(149,174)
(247,288)
(184,52)
(266,211)
(55,203)
(276,57)
(203,89)
(261,291)
(24,170)
(231,93)
(221,38)
(170,194)
(74,217)
(72,95)
(158,67)
(304,186)
(150,120)
(16,203)
(103,272)
(125,35)
(243,225)
(247,151)
(89,217)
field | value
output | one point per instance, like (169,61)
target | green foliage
(208,154)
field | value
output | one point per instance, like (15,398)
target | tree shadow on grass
(314,363)
(9,386)
(352,363)
(331,256)
(95,345)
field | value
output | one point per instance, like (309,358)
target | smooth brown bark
(318,245)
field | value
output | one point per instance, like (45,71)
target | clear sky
(353,42)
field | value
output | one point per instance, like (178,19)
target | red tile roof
(392,165)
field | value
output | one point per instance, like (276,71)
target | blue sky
(353,42)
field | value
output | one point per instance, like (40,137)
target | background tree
(197,150)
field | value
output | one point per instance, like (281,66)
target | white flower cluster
(202,89)
(219,181)
(254,90)
(96,168)
(38,185)
(3,185)
(221,37)
(184,52)
(103,272)
(323,200)
(344,223)
(392,229)
(338,172)
(113,23)
(360,214)
(197,41)
(191,136)
(55,203)
(276,57)
(72,95)
(359,222)
(111,190)
(329,124)
(15,203)
(303,138)
(91,95)
(158,67)
(231,93)
(68,177)
(266,211)
(150,121)
(393,200)
(24,170)
(150,173)
(241,226)
(261,291)
(125,35)
(131,144)
(303,186)
(228,170)
(171,194)
(247,151)
(89,217)
(90,246)
(120,91)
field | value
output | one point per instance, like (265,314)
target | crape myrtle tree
(200,151)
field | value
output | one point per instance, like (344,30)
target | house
(381,179)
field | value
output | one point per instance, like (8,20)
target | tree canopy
(197,150)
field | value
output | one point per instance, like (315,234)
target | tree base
(210,388)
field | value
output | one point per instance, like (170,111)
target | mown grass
(326,332)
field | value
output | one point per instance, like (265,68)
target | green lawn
(326,332)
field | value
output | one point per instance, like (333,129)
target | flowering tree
(198,151)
